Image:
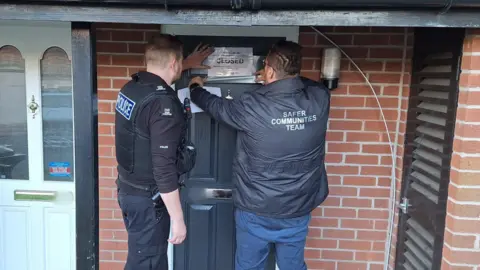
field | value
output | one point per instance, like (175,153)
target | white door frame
(32,39)
(291,33)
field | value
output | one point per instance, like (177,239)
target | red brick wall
(119,54)
(350,230)
(462,234)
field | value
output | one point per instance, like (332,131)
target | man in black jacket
(149,131)
(279,174)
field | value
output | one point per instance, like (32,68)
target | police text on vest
(124,106)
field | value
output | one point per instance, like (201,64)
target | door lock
(33,106)
(228,95)
(404,205)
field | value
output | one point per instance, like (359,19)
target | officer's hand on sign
(196,81)
(179,232)
(196,58)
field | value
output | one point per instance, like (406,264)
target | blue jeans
(255,233)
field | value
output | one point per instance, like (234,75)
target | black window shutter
(428,147)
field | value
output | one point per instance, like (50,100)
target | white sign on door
(231,61)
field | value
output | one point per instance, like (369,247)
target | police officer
(149,134)
(279,174)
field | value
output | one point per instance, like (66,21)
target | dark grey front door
(210,243)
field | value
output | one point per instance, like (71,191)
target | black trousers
(148,229)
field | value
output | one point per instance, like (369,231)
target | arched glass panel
(57,115)
(13,115)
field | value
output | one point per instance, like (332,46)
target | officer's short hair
(285,57)
(161,47)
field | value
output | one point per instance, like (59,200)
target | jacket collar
(288,85)
(146,77)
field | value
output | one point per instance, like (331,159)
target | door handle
(35,195)
(221,194)
(33,106)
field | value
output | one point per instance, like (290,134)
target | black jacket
(149,126)
(278,169)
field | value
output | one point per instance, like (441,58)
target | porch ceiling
(222,17)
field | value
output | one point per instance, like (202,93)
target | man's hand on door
(197,80)
(196,58)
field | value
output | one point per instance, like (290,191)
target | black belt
(134,188)
(150,191)
(140,190)
(142,187)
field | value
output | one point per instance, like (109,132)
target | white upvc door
(37,176)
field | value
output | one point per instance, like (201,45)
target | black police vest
(132,145)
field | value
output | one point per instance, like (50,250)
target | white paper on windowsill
(185,93)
